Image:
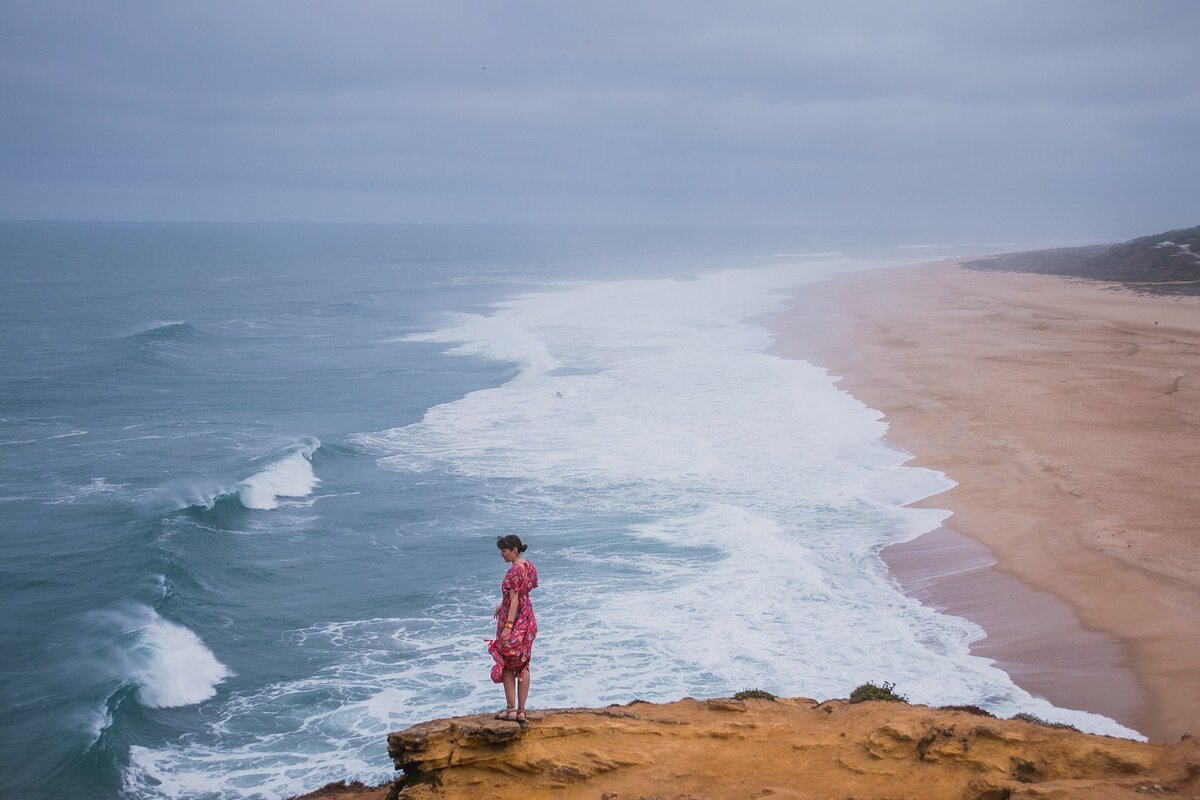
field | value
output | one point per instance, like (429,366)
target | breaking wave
(288,474)
(167,662)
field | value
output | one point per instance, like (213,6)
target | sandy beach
(1068,413)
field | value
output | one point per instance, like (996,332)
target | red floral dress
(520,580)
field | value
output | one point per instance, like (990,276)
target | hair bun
(511,541)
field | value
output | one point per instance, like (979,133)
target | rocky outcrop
(789,748)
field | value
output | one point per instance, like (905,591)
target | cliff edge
(787,748)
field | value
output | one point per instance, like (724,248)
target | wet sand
(1068,412)
(1032,635)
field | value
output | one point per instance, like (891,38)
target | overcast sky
(999,118)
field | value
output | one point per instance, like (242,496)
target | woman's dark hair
(511,541)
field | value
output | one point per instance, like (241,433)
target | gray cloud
(1005,119)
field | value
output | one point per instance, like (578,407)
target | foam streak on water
(744,501)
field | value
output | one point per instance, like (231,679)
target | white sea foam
(97,487)
(396,671)
(496,338)
(669,404)
(751,496)
(169,663)
(289,476)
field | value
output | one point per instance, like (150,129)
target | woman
(516,628)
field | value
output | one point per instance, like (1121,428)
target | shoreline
(1032,635)
(1060,407)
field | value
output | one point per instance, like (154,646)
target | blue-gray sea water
(252,476)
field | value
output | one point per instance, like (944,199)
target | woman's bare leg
(523,689)
(510,688)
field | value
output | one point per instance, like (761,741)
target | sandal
(520,717)
(505,714)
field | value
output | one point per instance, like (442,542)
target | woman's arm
(511,613)
(512,608)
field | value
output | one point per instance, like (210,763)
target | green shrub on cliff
(869,691)
(976,710)
(1033,719)
(754,694)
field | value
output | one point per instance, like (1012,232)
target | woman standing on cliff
(516,628)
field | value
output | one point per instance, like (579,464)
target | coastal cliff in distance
(784,748)
(1163,263)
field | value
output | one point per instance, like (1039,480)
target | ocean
(252,476)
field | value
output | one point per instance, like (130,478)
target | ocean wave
(161,329)
(288,474)
(160,345)
(169,663)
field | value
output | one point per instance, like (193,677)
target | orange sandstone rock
(791,748)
